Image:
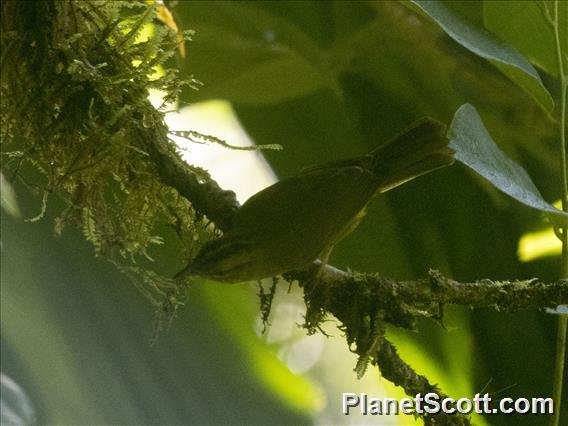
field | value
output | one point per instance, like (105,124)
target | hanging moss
(77,125)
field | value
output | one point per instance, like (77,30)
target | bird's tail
(420,149)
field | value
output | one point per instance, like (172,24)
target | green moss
(75,115)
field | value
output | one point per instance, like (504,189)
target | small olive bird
(290,224)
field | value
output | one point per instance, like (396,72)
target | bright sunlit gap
(245,172)
(539,244)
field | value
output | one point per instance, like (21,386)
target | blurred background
(326,80)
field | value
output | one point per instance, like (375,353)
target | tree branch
(428,293)
(395,370)
(204,193)
(359,300)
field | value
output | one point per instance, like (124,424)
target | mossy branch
(363,303)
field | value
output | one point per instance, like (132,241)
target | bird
(298,220)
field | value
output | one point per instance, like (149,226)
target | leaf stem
(562,319)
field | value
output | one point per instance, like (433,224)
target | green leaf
(524,25)
(508,60)
(256,57)
(476,149)
(8,201)
(273,81)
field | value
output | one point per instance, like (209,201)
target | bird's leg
(315,273)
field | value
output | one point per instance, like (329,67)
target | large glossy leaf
(476,149)
(512,63)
